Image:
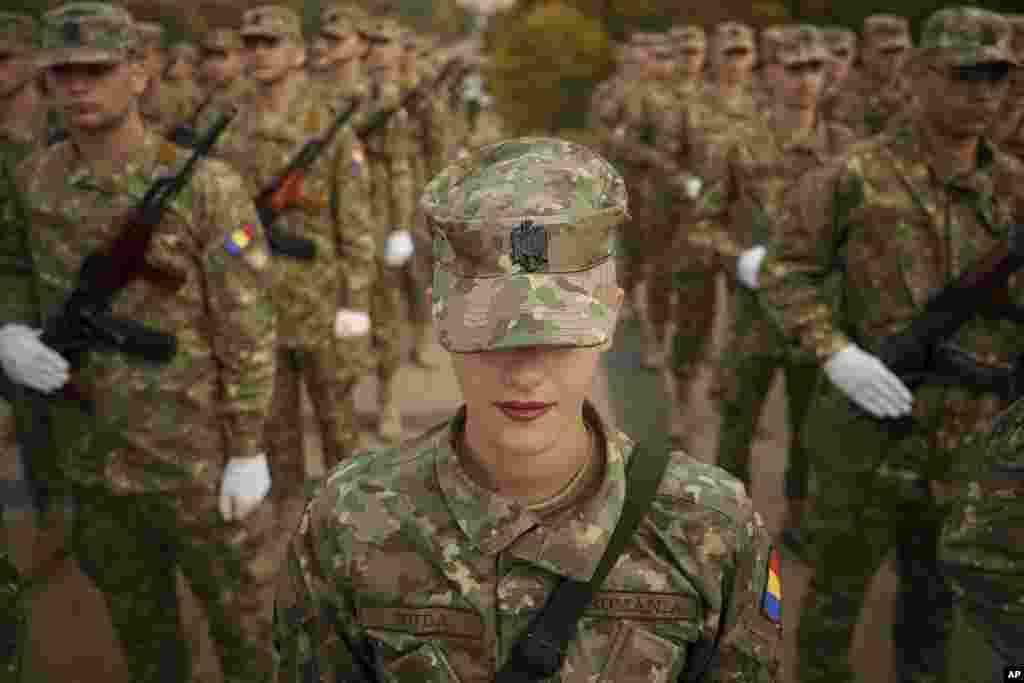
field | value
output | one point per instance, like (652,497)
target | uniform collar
(814,142)
(913,142)
(141,162)
(569,543)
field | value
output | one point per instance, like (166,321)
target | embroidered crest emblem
(530,246)
(71,32)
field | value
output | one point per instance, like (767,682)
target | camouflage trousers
(865,506)
(131,547)
(386,318)
(693,317)
(414,277)
(330,381)
(743,376)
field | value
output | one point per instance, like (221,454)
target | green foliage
(545,64)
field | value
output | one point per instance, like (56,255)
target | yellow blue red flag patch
(239,239)
(771,598)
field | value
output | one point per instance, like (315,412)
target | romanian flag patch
(239,239)
(771,598)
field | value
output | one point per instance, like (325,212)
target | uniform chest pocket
(432,644)
(638,654)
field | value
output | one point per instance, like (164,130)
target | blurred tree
(545,65)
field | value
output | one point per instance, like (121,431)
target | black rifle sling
(538,653)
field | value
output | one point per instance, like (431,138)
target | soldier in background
(1009,129)
(863,243)
(168,470)
(429,117)
(389,152)
(878,93)
(737,214)
(179,85)
(769,69)
(221,77)
(324,303)
(154,59)
(842,44)
(21,133)
(182,58)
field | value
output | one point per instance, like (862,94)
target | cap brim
(527,309)
(262,32)
(48,58)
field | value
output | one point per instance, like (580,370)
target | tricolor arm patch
(239,238)
(771,597)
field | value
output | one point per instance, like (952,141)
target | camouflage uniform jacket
(216,100)
(900,235)
(869,107)
(737,207)
(389,152)
(443,575)
(332,215)
(175,424)
(636,139)
(172,104)
(18,300)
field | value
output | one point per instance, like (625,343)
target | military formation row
(839,201)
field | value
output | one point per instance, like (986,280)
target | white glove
(349,323)
(692,187)
(245,484)
(868,383)
(398,248)
(748,265)
(28,361)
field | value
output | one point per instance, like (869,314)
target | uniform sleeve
(749,645)
(353,225)
(400,141)
(241,316)
(439,145)
(711,214)
(313,620)
(794,276)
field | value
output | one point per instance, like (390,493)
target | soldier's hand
(349,323)
(867,382)
(399,248)
(245,484)
(749,264)
(28,361)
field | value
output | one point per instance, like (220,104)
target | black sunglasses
(805,68)
(256,42)
(989,72)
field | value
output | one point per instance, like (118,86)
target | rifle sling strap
(538,653)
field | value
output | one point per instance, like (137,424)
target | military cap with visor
(523,244)
(840,39)
(221,40)
(340,20)
(688,38)
(18,34)
(731,35)
(885,31)
(770,39)
(380,30)
(272,21)
(645,38)
(966,36)
(87,33)
(803,44)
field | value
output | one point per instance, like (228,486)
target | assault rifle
(84,323)
(286,191)
(184,134)
(920,353)
(378,118)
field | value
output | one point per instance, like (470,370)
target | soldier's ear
(138,77)
(299,60)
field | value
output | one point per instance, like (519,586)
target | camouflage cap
(688,37)
(524,232)
(645,38)
(967,35)
(87,32)
(729,35)
(18,33)
(883,31)
(184,52)
(379,30)
(340,20)
(272,21)
(768,47)
(221,40)
(803,44)
(840,38)
(150,34)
